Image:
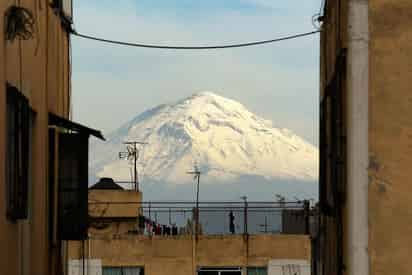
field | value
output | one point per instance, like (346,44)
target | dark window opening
(332,184)
(130,270)
(333,142)
(68,178)
(72,186)
(52,187)
(257,271)
(18,122)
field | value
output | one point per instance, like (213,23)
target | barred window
(333,141)
(72,139)
(18,116)
(72,186)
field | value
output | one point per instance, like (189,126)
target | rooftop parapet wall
(119,206)
(178,254)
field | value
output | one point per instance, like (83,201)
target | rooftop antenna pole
(281,200)
(196,172)
(132,153)
(245,230)
(265,225)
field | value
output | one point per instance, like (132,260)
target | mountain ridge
(218,134)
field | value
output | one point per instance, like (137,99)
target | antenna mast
(196,172)
(132,153)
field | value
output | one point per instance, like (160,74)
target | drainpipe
(358,151)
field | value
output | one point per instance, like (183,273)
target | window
(220,271)
(257,271)
(72,186)
(65,8)
(123,271)
(52,189)
(332,177)
(72,152)
(17,154)
(333,141)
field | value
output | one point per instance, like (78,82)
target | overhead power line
(212,47)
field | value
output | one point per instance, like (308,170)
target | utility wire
(213,47)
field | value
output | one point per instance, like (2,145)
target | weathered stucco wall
(114,203)
(390,136)
(43,78)
(182,255)
(390,130)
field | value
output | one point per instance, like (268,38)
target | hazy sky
(112,84)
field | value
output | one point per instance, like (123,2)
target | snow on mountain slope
(219,135)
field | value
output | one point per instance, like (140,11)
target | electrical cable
(212,47)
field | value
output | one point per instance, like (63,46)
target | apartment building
(43,155)
(129,236)
(365,144)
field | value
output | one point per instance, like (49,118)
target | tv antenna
(280,200)
(132,154)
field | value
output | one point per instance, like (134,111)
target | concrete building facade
(365,138)
(35,101)
(184,255)
(114,243)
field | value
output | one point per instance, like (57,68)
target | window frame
(255,268)
(72,189)
(220,270)
(69,194)
(121,268)
(18,154)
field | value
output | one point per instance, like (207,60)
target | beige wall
(111,242)
(111,219)
(114,203)
(390,136)
(44,80)
(182,254)
(390,129)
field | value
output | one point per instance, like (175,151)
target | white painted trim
(358,149)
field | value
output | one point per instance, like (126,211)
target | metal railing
(215,218)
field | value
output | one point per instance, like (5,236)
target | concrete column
(357,117)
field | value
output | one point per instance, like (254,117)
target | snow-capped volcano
(219,135)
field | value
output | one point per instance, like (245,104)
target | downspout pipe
(358,139)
